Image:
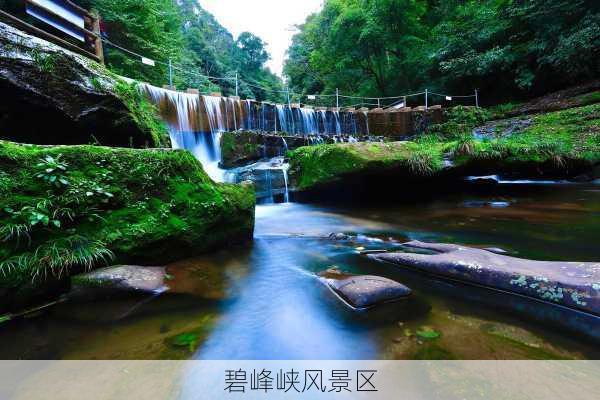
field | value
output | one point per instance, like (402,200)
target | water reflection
(283,313)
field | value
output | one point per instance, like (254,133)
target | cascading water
(336,120)
(218,125)
(367,122)
(182,113)
(196,123)
(310,120)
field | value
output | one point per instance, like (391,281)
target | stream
(264,301)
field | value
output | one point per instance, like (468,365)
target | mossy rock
(557,145)
(142,207)
(59,97)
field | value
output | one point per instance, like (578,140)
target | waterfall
(218,125)
(249,115)
(338,126)
(367,122)
(309,121)
(281,118)
(286,195)
(285,146)
(182,112)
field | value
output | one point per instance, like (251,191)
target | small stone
(400,324)
(419,342)
(398,340)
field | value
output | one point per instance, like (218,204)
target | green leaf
(428,333)
(56,223)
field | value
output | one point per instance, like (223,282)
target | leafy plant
(52,171)
(428,333)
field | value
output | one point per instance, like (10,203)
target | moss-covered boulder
(564,144)
(245,147)
(53,96)
(315,167)
(64,209)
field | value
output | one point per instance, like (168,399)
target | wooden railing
(89,34)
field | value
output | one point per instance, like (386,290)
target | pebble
(398,340)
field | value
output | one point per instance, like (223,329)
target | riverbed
(264,300)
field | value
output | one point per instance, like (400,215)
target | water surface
(264,301)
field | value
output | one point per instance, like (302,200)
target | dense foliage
(188,35)
(191,37)
(508,49)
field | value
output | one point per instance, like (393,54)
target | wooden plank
(55,15)
(47,36)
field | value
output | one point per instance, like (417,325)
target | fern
(57,257)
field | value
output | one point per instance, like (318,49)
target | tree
(510,49)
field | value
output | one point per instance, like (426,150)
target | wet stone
(124,278)
(363,292)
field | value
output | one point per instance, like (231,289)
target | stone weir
(191,112)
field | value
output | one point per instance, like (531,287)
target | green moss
(142,206)
(227,145)
(144,113)
(431,351)
(240,147)
(318,165)
(527,351)
(555,140)
(559,137)
(590,98)
(460,121)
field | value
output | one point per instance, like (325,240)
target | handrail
(48,36)
(54,14)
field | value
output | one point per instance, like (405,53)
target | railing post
(98,41)
(378,103)
(337,98)
(476,98)
(426,99)
(405,103)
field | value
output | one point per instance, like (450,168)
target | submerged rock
(364,292)
(571,284)
(59,97)
(124,278)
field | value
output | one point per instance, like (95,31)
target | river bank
(268,293)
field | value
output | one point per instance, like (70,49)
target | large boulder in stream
(571,284)
(363,292)
(54,96)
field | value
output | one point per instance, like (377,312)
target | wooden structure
(66,17)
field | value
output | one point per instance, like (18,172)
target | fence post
(426,99)
(378,103)
(98,40)
(476,98)
(405,103)
(170,73)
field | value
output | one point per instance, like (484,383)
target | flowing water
(263,300)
